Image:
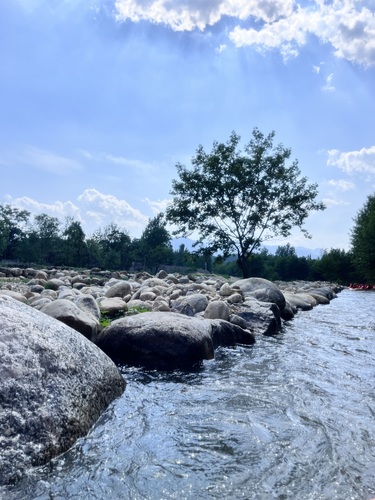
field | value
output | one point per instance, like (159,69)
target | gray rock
(54,384)
(217,310)
(69,313)
(261,317)
(15,295)
(158,340)
(190,304)
(119,289)
(225,333)
(298,301)
(88,304)
(261,289)
(112,306)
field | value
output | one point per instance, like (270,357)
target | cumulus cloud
(93,209)
(58,209)
(351,162)
(284,25)
(187,15)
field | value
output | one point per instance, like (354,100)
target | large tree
(236,200)
(13,222)
(363,239)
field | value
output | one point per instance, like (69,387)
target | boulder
(262,290)
(298,301)
(119,289)
(112,306)
(69,313)
(224,333)
(261,317)
(54,384)
(217,310)
(160,340)
(15,295)
(88,304)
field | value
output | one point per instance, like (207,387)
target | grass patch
(106,318)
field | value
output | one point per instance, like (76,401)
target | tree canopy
(235,200)
(363,239)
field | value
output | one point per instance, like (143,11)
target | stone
(261,289)
(298,301)
(88,304)
(54,385)
(160,340)
(119,289)
(15,295)
(261,318)
(217,310)
(225,333)
(112,306)
(69,313)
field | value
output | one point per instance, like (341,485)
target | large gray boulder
(261,318)
(158,340)
(167,340)
(54,384)
(69,313)
(262,290)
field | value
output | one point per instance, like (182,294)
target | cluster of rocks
(56,375)
(234,312)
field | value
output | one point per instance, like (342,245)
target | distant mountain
(314,253)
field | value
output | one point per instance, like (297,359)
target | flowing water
(292,417)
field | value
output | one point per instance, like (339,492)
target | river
(292,417)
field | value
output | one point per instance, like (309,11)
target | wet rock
(158,340)
(54,384)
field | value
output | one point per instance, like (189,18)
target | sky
(100,99)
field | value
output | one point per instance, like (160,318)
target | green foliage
(336,265)
(12,223)
(363,240)
(75,248)
(154,246)
(106,318)
(236,200)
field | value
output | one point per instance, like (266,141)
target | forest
(43,241)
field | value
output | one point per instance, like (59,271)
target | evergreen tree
(363,240)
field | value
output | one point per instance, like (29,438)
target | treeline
(42,240)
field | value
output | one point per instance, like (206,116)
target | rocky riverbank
(59,329)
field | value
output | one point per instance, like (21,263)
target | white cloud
(58,209)
(116,160)
(341,184)
(106,208)
(353,161)
(329,87)
(284,25)
(334,202)
(187,15)
(157,206)
(48,161)
(221,48)
(93,209)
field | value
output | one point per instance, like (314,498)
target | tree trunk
(243,264)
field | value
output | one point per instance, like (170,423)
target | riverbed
(291,417)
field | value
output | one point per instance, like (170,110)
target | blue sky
(100,99)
